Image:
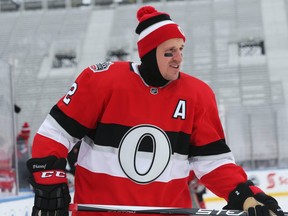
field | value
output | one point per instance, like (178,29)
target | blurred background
(238,47)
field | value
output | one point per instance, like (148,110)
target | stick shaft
(154,210)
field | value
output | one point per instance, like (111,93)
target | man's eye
(168,54)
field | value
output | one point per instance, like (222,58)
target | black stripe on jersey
(72,127)
(180,142)
(111,135)
(214,148)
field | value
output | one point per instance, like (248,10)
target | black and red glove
(246,196)
(50,186)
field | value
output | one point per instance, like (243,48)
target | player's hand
(250,198)
(49,182)
(261,205)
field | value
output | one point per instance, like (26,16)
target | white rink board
(274,182)
(16,206)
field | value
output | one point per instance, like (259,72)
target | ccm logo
(49,174)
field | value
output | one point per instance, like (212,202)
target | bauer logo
(100,67)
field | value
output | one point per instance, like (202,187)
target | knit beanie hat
(25,131)
(25,128)
(154,28)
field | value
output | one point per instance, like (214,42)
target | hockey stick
(153,210)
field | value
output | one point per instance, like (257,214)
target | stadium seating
(213,52)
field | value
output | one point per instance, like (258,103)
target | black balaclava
(149,70)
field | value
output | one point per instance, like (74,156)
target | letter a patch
(180,111)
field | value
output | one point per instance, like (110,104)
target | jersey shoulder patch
(100,67)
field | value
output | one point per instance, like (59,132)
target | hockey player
(138,124)
(197,190)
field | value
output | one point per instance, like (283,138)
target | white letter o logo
(128,150)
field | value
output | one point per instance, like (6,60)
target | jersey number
(71,92)
(133,165)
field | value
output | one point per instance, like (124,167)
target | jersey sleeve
(211,158)
(69,120)
(207,127)
(224,179)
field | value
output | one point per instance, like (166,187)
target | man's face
(169,58)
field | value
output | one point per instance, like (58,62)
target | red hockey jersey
(139,142)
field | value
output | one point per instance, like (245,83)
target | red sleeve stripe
(44,146)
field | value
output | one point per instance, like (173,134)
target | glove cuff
(48,170)
(50,177)
(239,195)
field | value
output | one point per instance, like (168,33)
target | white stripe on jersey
(51,129)
(209,163)
(100,159)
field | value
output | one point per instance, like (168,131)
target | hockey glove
(250,198)
(49,181)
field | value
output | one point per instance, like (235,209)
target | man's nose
(177,55)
